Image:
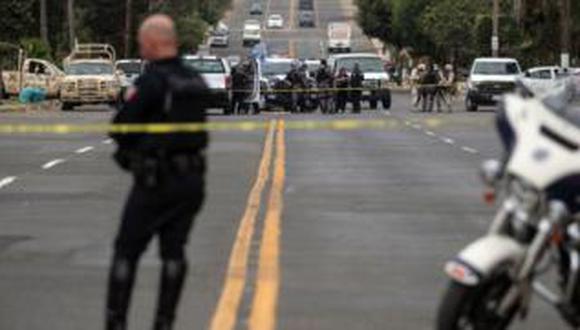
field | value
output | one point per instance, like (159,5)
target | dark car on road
(306,18)
(256,9)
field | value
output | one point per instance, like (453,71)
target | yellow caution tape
(316,90)
(337,125)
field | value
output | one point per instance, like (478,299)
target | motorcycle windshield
(565,101)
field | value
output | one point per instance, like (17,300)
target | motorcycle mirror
(490,171)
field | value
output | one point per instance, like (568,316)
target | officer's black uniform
(342,84)
(239,83)
(356,83)
(168,190)
(429,83)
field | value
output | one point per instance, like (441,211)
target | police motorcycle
(537,225)
(309,101)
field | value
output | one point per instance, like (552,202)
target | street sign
(495,44)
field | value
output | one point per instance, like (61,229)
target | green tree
(374,17)
(449,24)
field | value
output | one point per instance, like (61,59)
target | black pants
(341,99)
(356,97)
(166,212)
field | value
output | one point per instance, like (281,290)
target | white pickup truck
(543,80)
(339,37)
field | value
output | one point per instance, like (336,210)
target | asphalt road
(304,229)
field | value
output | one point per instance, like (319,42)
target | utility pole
(495,33)
(71,23)
(43,22)
(128,26)
(565,32)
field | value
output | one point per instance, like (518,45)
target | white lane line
(448,141)
(388,113)
(430,133)
(52,164)
(417,127)
(7,181)
(84,150)
(470,150)
(408,123)
(107,141)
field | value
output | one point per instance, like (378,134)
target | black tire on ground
(460,301)
(386,101)
(469,105)
(373,104)
(67,106)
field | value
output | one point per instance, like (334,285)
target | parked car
(128,70)
(275,21)
(256,8)
(376,78)
(219,38)
(90,77)
(489,80)
(217,74)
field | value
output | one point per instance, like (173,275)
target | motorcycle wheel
(474,308)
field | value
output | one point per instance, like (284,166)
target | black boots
(172,278)
(121,280)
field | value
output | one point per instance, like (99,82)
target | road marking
(107,141)
(417,127)
(84,150)
(52,163)
(225,315)
(470,150)
(430,133)
(265,303)
(7,181)
(448,141)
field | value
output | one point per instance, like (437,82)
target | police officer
(240,87)
(429,84)
(324,82)
(295,80)
(168,172)
(341,82)
(356,84)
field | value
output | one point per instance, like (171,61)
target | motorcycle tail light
(489,196)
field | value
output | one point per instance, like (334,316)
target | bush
(36,48)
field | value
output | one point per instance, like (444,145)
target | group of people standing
(433,87)
(339,88)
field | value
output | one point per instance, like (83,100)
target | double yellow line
(265,300)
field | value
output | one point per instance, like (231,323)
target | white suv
(489,80)
(217,75)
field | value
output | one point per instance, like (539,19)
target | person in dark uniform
(428,83)
(238,95)
(295,80)
(324,82)
(356,83)
(168,172)
(342,82)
